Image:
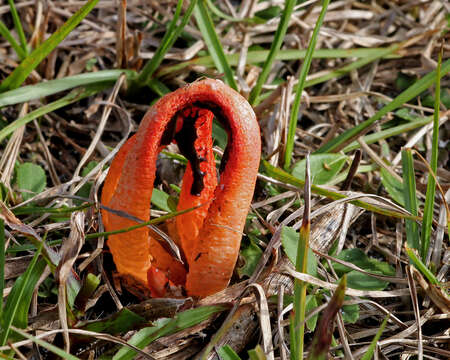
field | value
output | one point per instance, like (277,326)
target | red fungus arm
(211,254)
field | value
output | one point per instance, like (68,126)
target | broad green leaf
(250,253)
(392,186)
(311,304)
(161,200)
(350,313)
(31,179)
(324,167)
(357,257)
(289,240)
(18,76)
(360,281)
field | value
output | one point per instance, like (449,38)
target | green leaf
(212,41)
(54,349)
(51,87)
(369,353)
(121,322)
(18,76)
(70,98)
(324,167)
(392,186)
(360,281)
(31,179)
(4,31)
(350,313)
(172,33)
(410,197)
(18,26)
(165,327)
(311,304)
(357,257)
(251,254)
(274,49)
(289,240)
(161,200)
(431,184)
(257,353)
(18,302)
(293,119)
(227,353)
(401,99)
(2,263)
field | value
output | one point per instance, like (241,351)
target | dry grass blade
(69,253)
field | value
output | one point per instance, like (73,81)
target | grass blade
(206,26)
(369,353)
(431,185)
(258,56)
(181,321)
(324,331)
(418,87)
(300,86)
(18,27)
(301,266)
(226,352)
(167,41)
(283,176)
(2,263)
(4,31)
(18,76)
(61,353)
(20,297)
(421,266)
(64,101)
(409,194)
(274,48)
(51,87)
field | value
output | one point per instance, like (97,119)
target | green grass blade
(274,48)
(300,86)
(414,90)
(172,33)
(259,56)
(61,353)
(206,27)
(283,176)
(51,87)
(301,266)
(18,27)
(431,185)
(4,31)
(226,352)
(384,134)
(70,98)
(369,353)
(409,194)
(18,76)
(323,335)
(421,266)
(2,263)
(181,321)
(18,299)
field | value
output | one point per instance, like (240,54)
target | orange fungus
(208,236)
